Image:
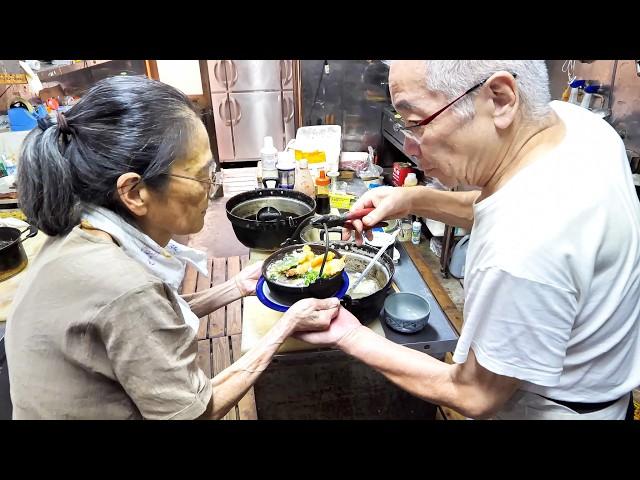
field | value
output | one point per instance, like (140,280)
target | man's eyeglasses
(407,129)
(210,181)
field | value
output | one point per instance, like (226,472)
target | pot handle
(331,230)
(33,231)
(276,180)
(346,302)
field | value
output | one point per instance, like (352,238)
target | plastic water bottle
(269,157)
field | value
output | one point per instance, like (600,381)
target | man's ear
(132,193)
(502,88)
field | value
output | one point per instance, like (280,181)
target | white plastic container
(320,145)
(410,180)
(268,155)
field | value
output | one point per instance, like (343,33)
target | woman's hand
(389,202)
(342,326)
(247,279)
(311,314)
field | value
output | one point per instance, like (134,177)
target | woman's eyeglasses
(210,181)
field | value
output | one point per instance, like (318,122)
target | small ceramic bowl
(406,312)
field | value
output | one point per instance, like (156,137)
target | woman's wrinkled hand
(342,325)
(311,314)
(247,279)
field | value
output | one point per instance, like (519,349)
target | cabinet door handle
(290,109)
(289,70)
(234,73)
(238,113)
(221,110)
(216,72)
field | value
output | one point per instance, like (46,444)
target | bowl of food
(294,271)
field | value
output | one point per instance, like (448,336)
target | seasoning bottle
(576,86)
(304,180)
(323,206)
(268,159)
(589,91)
(415,232)
(410,180)
(286,167)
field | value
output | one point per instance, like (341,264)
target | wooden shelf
(48,73)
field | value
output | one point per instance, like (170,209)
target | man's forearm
(417,373)
(452,208)
(207,301)
(467,388)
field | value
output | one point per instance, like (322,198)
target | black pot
(13,258)
(368,308)
(321,288)
(267,235)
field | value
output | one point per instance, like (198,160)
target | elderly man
(552,307)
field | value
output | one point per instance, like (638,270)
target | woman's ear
(132,193)
(502,87)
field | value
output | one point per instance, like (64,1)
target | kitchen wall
(181,74)
(352,95)
(625,104)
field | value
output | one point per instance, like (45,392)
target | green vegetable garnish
(310,277)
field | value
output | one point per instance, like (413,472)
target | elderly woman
(98,329)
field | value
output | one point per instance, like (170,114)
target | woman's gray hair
(453,77)
(123,124)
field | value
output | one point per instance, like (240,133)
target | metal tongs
(345,220)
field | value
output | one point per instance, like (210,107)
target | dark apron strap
(630,409)
(593,407)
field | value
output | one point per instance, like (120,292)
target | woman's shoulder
(85,262)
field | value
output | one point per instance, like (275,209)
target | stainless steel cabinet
(286,74)
(221,107)
(217,75)
(251,99)
(255,115)
(288,114)
(251,75)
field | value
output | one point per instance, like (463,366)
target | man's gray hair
(453,77)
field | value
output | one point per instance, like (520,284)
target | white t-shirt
(552,285)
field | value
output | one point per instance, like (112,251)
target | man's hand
(389,203)
(341,327)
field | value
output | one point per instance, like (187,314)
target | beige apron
(530,406)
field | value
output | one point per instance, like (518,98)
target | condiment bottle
(323,206)
(410,180)
(286,170)
(415,232)
(304,181)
